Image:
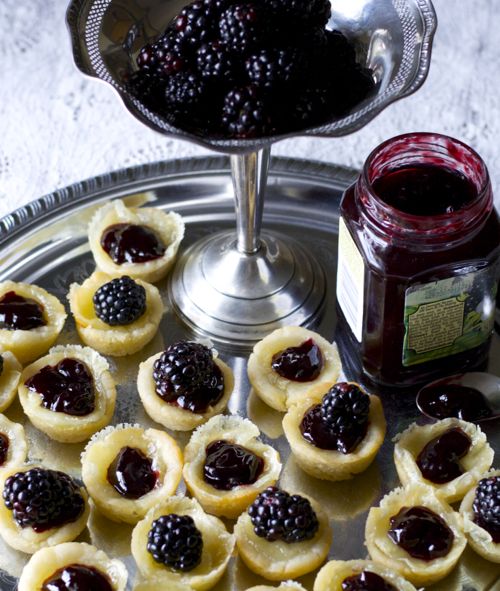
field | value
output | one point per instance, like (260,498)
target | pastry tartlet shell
(9,379)
(18,448)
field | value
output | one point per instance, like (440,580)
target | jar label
(350,281)
(448,316)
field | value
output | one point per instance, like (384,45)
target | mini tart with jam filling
(449,455)
(195,553)
(286,364)
(81,564)
(53,509)
(227,466)
(336,572)
(480,510)
(13,446)
(128,470)
(10,373)
(126,324)
(416,534)
(184,386)
(285,586)
(30,320)
(69,394)
(283,536)
(336,433)
(141,242)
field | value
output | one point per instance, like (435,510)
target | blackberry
(301,13)
(185,91)
(345,407)
(176,542)
(119,302)
(311,108)
(148,88)
(274,68)
(277,515)
(246,113)
(42,499)
(486,503)
(1,365)
(166,56)
(214,62)
(194,25)
(243,26)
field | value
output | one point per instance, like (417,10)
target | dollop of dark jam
(131,243)
(453,400)
(131,473)
(228,465)
(439,459)
(4,448)
(299,364)
(425,189)
(67,387)
(318,432)
(20,313)
(366,581)
(421,533)
(77,577)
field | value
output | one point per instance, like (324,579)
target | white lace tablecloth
(58,127)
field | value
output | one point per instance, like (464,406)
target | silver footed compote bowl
(239,286)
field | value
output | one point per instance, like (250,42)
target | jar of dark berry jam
(419,248)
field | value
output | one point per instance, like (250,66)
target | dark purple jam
(366,581)
(67,387)
(228,465)
(131,243)
(453,400)
(4,448)
(299,364)
(77,577)
(131,473)
(20,313)
(316,430)
(439,459)
(425,189)
(421,533)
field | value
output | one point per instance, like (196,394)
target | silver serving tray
(46,243)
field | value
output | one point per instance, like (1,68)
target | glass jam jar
(419,248)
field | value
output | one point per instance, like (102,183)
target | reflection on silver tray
(46,243)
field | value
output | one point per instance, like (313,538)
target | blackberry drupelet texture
(345,407)
(215,62)
(119,302)
(243,27)
(247,112)
(486,505)
(276,67)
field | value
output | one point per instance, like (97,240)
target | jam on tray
(20,313)
(228,465)
(131,473)
(77,577)
(419,245)
(299,364)
(366,581)
(439,459)
(4,448)
(131,243)
(442,401)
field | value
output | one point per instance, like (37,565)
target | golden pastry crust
(385,552)
(479,539)
(61,426)
(9,379)
(47,561)
(102,449)
(285,586)
(156,585)
(168,226)
(218,545)
(329,464)
(27,345)
(278,560)
(228,503)
(18,448)
(410,443)
(26,539)
(276,391)
(332,575)
(113,340)
(171,416)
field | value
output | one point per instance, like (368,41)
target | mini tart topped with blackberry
(416,534)
(359,575)
(178,542)
(283,536)
(13,446)
(69,394)
(30,320)
(286,364)
(115,316)
(141,242)
(184,386)
(335,433)
(10,372)
(40,507)
(127,470)
(448,455)
(227,465)
(73,566)
(480,510)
